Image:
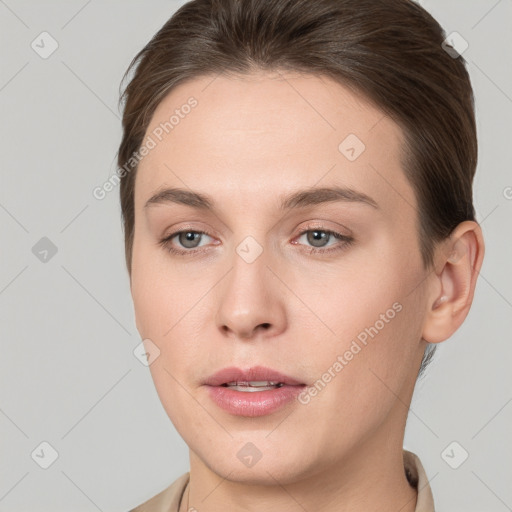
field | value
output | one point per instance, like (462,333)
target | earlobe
(459,260)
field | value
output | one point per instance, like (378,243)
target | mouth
(257,391)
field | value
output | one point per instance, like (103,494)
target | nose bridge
(249,298)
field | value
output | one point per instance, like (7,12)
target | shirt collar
(417,477)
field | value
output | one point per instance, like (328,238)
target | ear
(458,263)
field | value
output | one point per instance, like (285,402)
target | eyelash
(347,241)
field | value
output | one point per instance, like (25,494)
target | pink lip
(232,374)
(256,403)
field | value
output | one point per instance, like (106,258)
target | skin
(250,141)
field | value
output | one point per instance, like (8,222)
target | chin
(240,461)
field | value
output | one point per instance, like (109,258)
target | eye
(188,239)
(319,238)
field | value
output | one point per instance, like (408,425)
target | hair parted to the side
(388,50)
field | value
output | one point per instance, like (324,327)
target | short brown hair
(391,51)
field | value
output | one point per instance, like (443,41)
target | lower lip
(253,403)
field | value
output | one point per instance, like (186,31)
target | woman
(296,189)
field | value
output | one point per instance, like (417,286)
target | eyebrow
(299,199)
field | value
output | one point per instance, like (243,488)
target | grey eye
(188,239)
(317,237)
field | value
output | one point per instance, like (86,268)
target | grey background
(68,375)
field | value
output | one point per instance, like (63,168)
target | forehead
(266,134)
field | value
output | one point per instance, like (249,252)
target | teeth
(253,385)
(250,389)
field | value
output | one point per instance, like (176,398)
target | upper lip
(254,373)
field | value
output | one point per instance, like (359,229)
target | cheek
(374,332)
(346,301)
(170,306)
(157,292)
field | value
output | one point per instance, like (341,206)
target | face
(327,288)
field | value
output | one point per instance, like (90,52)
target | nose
(251,301)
